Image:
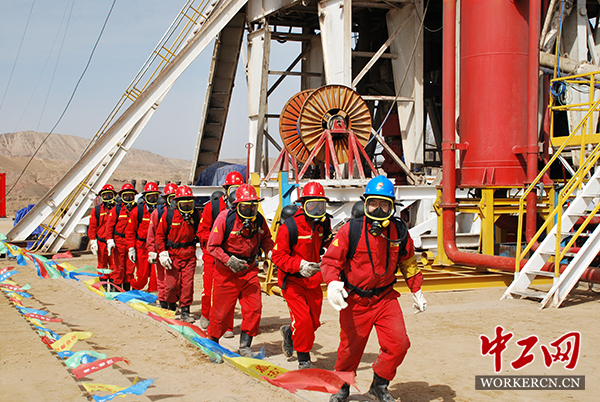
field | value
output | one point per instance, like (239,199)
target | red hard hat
(127,187)
(108,187)
(170,188)
(184,192)
(151,187)
(233,179)
(313,190)
(246,193)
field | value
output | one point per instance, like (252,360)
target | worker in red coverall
(176,246)
(235,247)
(137,230)
(232,181)
(99,228)
(361,288)
(168,195)
(299,273)
(118,219)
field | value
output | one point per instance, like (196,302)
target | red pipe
(448,159)
(532,115)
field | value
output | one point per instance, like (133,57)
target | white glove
(152,257)
(131,254)
(270,254)
(110,244)
(308,269)
(165,260)
(235,264)
(420,302)
(94,246)
(336,295)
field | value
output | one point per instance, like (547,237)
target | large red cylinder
(493,92)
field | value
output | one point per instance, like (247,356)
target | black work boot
(341,395)
(288,344)
(214,339)
(163,304)
(126,286)
(245,342)
(303,360)
(379,389)
(185,315)
(172,306)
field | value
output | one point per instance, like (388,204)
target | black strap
(362,292)
(100,239)
(140,211)
(292,228)
(229,222)
(216,208)
(354,234)
(195,219)
(97,212)
(119,234)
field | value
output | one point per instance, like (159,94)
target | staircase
(218,94)
(61,209)
(580,197)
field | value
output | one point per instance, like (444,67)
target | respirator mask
(231,190)
(108,198)
(379,210)
(315,208)
(128,198)
(186,208)
(247,211)
(151,200)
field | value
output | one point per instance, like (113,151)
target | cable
(18,53)
(68,103)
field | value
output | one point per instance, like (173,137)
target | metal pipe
(532,117)
(448,160)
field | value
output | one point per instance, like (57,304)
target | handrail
(571,185)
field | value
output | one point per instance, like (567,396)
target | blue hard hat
(381,186)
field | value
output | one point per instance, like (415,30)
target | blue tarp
(215,174)
(19,215)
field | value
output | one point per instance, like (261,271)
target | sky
(40,65)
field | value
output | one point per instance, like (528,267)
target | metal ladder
(223,67)
(65,204)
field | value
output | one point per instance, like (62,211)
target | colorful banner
(135,389)
(42,317)
(136,294)
(67,341)
(215,347)
(312,380)
(7,275)
(26,310)
(193,327)
(5,269)
(256,368)
(83,357)
(101,387)
(145,308)
(66,254)
(66,354)
(89,368)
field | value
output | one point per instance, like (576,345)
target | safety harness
(195,221)
(354,234)
(229,221)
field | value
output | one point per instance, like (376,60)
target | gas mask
(170,203)
(108,198)
(379,210)
(315,209)
(151,200)
(186,208)
(247,211)
(128,198)
(230,199)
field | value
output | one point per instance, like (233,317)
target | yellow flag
(67,341)
(102,387)
(144,308)
(255,367)
(89,284)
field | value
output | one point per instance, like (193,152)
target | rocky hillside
(59,153)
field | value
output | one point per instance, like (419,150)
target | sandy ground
(441,365)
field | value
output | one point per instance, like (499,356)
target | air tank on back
(493,92)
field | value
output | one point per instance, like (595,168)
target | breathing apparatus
(315,209)
(247,211)
(379,208)
(128,198)
(108,198)
(186,208)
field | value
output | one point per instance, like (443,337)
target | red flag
(5,269)
(47,341)
(67,254)
(42,317)
(313,380)
(16,301)
(194,328)
(10,287)
(84,369)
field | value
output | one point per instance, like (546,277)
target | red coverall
(98,230)
(303,295)
(363,313)
(230,286)
(179,280)
(123,268)
(136,237)
(206,224)
(151,246)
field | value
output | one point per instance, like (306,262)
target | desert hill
(59,153)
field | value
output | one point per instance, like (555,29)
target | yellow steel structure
(588,160)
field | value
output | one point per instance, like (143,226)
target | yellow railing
(587,163)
